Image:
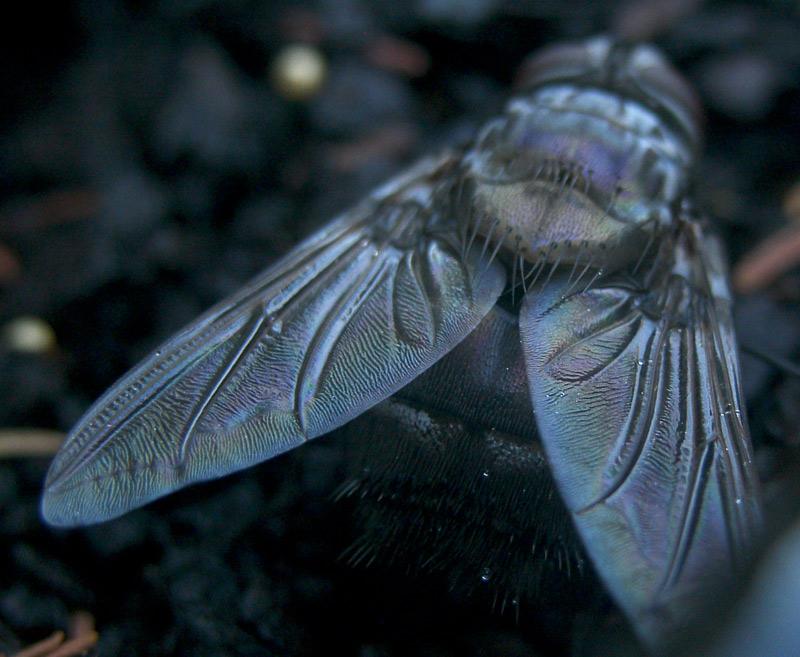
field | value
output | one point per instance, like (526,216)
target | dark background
(148,167)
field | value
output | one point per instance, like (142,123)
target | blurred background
(154,155)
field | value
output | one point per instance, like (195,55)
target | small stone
(358,96)
(298,72)
(134,204)
(740,85)
(468,13)
(216,117)
(29,335)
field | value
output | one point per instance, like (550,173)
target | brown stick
(76,646)
(29,443)
(768,261)
(43,647)
(57,206)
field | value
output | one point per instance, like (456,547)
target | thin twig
(76,646)
(80,623)
(770,259)
(59,206)
(82,637)
(398,56)
(29,443)
(43,647)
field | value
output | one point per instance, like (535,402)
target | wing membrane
(638,404)
(341,323)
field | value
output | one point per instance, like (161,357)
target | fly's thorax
(572,172)
(544,221)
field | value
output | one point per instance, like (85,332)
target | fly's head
(590,161)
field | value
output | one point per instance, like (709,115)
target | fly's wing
(638,403)
(341,323)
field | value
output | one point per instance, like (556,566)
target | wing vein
(629,319)
(732,446)
(230,366)
(653,398)
(348,303)
(696,476)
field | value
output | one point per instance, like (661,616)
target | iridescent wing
(638,403)
(341,323)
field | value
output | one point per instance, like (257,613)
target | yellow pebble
(298,72)
(29,334)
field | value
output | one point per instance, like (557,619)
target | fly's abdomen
(449,475)
(437,494)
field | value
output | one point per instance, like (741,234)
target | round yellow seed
(29,335)
(298,72)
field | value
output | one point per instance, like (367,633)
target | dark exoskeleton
(542,310)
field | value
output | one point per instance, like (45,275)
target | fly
(560,261)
